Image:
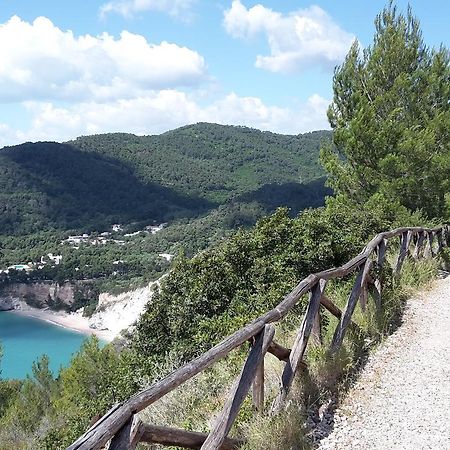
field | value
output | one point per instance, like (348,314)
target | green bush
(211,295)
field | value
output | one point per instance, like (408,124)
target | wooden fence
(125,431)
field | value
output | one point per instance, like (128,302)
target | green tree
(96,379)
(26,403)
(391,119)
(211,295)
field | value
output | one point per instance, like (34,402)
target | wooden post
(316,332)
(363,297)
(301,341)
(122,440)
(350,307)
(381,256)
(419,244)
(137,430)
(364,292)
(240,390)
(258,388)
(440,241)
(430,252)
(381,253)
(445,235)
(376,295)
(404,248)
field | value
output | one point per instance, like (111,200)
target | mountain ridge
(97,180)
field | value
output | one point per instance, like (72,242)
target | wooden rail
(119,424)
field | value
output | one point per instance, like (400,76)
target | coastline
(73,321)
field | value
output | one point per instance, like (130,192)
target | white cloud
(127,8)
(160,111)
(39,61)
(298,40)
(253,112)
(72,85)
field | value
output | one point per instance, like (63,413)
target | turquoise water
(25,339)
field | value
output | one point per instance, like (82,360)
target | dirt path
(402,398)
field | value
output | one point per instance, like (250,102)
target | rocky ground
(402,397)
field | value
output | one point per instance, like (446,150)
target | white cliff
(113,314)
(118,312)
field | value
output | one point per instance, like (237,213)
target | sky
(71,68)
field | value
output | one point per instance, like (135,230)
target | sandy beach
(72,321)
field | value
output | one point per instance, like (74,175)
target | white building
(167,256)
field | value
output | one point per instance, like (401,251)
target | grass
(284,431)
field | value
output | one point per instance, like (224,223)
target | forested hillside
(211,161)
(204,180)
(48,185)
(98,180)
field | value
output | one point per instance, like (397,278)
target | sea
(25,339)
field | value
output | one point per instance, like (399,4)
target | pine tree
(391,119)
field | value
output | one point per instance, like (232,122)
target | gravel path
(402,398)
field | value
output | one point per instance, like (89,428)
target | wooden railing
(125,431)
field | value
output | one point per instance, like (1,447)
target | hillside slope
(97,180)
(50,185)
(211,161)
(204,180)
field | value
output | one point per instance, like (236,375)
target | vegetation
(381,179)
(99,377)
(205,298)
(139,254)
(391,120)
(213,162)
(204,179)
(95,181)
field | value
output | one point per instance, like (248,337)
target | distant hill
(213,161)
(94,181)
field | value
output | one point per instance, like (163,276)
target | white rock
(118,312)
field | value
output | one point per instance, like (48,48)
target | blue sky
(145,66)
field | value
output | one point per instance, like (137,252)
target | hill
(49,185)
(204,180)
(211,161)
(97,180)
